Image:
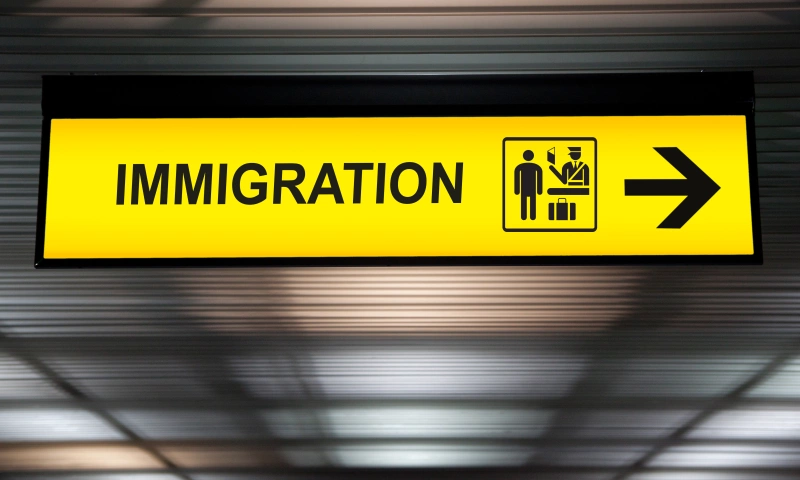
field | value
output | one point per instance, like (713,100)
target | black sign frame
(100,96)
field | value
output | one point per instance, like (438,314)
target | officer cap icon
(574,152)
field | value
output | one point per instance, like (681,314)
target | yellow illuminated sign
(398,187)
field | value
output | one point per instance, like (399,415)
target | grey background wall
(578,373)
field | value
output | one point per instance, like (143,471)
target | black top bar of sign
(396,95)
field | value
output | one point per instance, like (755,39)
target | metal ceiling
(635,373)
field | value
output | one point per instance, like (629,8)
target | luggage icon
(561,210)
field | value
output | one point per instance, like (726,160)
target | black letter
(326,172)
(222,191)
(357,169)
(280,183)
(121,184)
(394,185)
(260,186)
(149,190)
(184,179)
(381,186)
(440,175)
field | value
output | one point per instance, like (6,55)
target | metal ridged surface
(636,373)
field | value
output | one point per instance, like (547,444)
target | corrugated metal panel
(571,373)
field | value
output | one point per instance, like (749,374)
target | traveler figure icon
(574,172)
(528,184)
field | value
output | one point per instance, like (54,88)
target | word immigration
(287,183)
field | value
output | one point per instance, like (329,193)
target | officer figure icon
(528,184)
(572,173)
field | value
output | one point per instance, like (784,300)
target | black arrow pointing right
(697,186)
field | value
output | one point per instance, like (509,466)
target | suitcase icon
(561,210)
